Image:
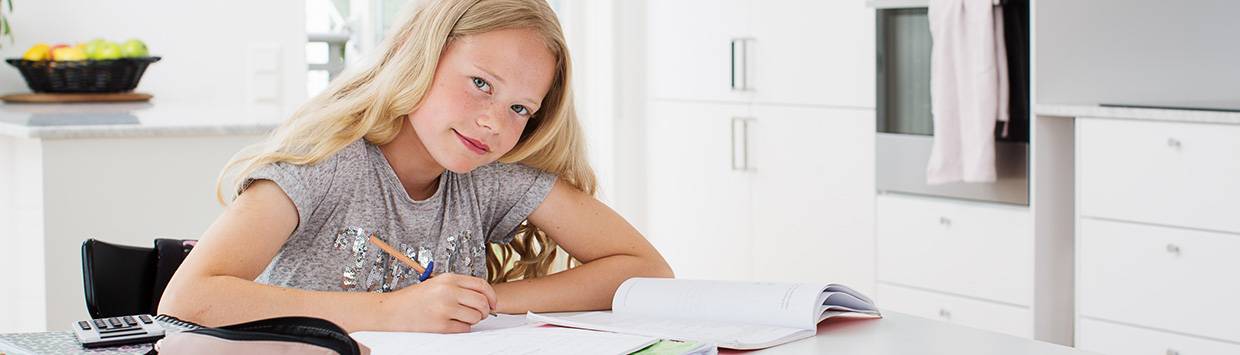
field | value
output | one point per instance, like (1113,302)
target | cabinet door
(813,194)
(690,52)
(1169,173)
(813,52)
(698,204)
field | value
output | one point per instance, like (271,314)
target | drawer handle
(1172,352)
(1174,143)
(945,314)
(1174,249)
(944,221)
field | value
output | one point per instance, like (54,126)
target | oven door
(905,125)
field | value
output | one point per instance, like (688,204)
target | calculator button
(129,321)
(145,319)
(84,324)
(116,323)
(99,323)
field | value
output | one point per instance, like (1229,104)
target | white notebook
(504,334)
(729,314)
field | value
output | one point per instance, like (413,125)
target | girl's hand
(446,303)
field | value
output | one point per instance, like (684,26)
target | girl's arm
(214,286)
(612,251)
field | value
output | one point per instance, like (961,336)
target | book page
(739,336)
(518,340)
(758,303)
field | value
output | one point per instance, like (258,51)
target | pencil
(422,272)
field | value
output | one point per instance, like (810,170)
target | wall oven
(905,126)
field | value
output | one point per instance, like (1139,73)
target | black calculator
(114,331)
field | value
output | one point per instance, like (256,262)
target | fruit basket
(83,76)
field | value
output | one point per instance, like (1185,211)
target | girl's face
(485,90)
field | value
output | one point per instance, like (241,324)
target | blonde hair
(370,102)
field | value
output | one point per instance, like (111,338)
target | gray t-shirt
(355,193)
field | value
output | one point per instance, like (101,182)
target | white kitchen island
(122,172)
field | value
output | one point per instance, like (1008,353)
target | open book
(729,314)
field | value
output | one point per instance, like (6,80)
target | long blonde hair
(369,102)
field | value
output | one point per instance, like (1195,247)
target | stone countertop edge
(135,131)
(1134,113)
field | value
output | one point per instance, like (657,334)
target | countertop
(1150,114)
(116,120)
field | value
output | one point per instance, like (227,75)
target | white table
(900,334)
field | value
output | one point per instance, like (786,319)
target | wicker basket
(96,76)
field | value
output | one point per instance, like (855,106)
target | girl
(406,150)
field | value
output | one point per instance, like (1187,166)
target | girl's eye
(482,84)
(521,110)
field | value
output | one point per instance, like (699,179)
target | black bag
(283,335)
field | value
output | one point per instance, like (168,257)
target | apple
(133,48)
(39,51)
(51,51)
(67,53)
(93,46)
(106,51)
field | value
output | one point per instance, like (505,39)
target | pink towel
(968,89)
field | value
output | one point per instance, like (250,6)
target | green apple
(93,46)
(133,48)
(107,51)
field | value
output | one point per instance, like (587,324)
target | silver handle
(740,144)
(944,221)
(740,64)
(1172,352)
(1174,249)
(945,314)
(1174,143)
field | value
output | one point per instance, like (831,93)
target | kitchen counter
(1170,115)
(124,173)
(117,120)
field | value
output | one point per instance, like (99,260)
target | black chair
(125,280)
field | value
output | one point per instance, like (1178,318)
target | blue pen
(430,266)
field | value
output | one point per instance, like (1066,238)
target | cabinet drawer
(1160,277)
(967,248)
(1114,339)
(1177,174)
(1001,318)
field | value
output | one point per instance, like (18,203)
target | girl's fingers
(468,315)
(474,300)
(478,285)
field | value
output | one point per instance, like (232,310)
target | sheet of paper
(724,335)
(773,304)
(499,321)
(515,340)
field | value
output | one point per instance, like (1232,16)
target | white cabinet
(966,248)
(776,52)
(691,54)
(975,313)
(1157,236)
(1161,277)
(767,193)
(961,261)
(812,194)
(813,53)
(1115,339)
(698,203)
(759,140)
(1178,174)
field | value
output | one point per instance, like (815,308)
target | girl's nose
(491,119)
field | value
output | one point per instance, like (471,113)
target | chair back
(121,280)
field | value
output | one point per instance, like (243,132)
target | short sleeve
(508,194)
(305,185)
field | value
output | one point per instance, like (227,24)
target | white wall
(210,49)
(1136,51)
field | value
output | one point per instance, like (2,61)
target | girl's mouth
(474,145)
